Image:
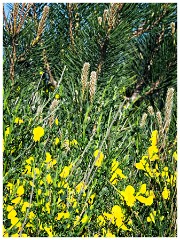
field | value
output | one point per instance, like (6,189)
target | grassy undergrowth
(87,164)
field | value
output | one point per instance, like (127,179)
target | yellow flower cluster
(99,156)
(116,217)
(130,198)
(116,172)
(18,120)
(65,172)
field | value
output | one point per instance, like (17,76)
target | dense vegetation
(89,112)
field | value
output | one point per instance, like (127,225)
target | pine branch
(23,17)
(142,30)
(70,9)
(5,21)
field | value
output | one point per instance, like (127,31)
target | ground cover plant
(89,112)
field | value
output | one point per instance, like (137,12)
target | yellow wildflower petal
(65,172)
(165,193)
(12,214)
(109,234)
(16,200)
(14,221)
(175,155)
(9,208)
(85,219)
(100,156)
(38,132)
(60,215)
(49,179)
(56,141)
(20,190)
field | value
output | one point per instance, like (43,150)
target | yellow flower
(74,142)
(142,189)
(56,141)
(57,96)
(37,171)
(65,172)
(48,157)
(66,215)
(85,219)
(91,198)
(100,156)
(118,215)
(56,121)
(41,72)
(117,211)
(114,179)
(128,195)
(38,133)
(18,120)
(130,222)
(5,234)
(48,207)
(9,208)
(151,217)
(101,221)
(20,190)
(39,191)
(109,217)
(31,215)
(154,137)
(60,215)
(142,163)
(175,155)
(114,165)
(49,231)
(49,179)
(76,222)
(27,170)
(15,235)
(30,160)
(165,193)
(147,201)
(123,227)
(25,205)
(7,132)
(14,221)
(51,164)
(119,172)
(80,186)
(16,200)
(109,234)
(10,187)
(31,184)
(12,214)
(152,151)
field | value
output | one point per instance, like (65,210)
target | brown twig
(111,17)
(13,60)
(47,66)
(23,17)
(142,30)
(15,15)
(70,10)
(30,202)
(5,21)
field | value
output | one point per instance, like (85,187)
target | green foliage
(77,167)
